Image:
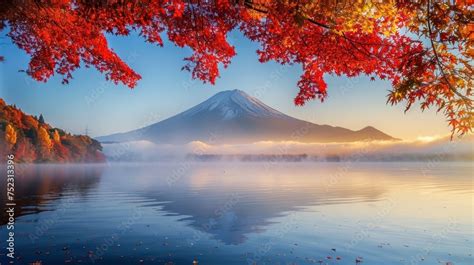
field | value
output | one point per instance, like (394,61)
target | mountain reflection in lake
(244,213)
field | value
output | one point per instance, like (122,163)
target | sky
(89,101)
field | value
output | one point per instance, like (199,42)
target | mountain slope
(32,140)
(235,117)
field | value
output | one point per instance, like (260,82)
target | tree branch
(438,60)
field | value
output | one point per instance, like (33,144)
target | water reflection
(232,202)
(36,186)
(229,202)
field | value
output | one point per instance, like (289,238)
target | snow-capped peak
(233,103)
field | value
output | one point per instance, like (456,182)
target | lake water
(244,213)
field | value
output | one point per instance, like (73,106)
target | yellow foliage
(56,137)
(44,140)
(352,16)
(10,135)
(344,16)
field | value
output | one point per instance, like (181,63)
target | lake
(243,213)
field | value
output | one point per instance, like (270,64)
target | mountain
(235,117)
(31,140)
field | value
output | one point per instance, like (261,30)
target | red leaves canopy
(325,37)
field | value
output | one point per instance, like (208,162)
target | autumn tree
(44,143)
(61,153)
(25,151)
(30,141)
(29,122)
(10,136)
(425,48)
(56,137)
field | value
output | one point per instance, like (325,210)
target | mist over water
(245,213)
(431,149)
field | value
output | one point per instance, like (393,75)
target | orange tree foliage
(44,142)
(56,137)
(10,135)
(425,47)
(30,141)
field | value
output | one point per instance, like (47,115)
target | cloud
(433,147)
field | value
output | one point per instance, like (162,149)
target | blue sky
(165,90)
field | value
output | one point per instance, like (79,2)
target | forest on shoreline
(31,140)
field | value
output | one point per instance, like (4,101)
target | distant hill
(235,117)
(30,139)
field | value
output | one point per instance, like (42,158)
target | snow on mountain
(235,117)
(234,103)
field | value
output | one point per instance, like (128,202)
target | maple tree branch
(193,23)
(250,5)
(352,42)
(318,23)
(467,100)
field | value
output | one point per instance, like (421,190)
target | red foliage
(328,37)
(30,141)
(25,151)
(61,152)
